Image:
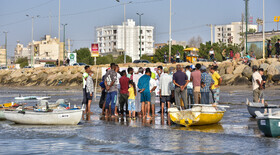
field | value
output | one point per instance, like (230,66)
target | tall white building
(230,34)
(111,39)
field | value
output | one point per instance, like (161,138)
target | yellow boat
(198,115)
(6,105)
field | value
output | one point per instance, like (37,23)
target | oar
(210,105)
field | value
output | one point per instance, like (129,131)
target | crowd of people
(133,93)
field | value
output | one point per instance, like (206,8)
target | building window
(115,43)
(142,43)
(229,29)
(219,34)
(115,31)
(219,29)
(142,37)
(229,34)
(142,49)
(115,37)
(141,31)
(148,31)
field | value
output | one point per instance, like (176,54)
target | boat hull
(200,118)
(269,126)
(65,117)
(252,110)
(2,116)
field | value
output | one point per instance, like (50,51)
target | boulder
(273,69)
(229,70)
(264,66)
(239,69)
(255,62)
(241,80)
(247,72)
(228,79)
(276,78)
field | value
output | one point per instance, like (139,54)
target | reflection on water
(237,132)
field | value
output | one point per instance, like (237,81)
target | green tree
(22,61)
(159,54)
(105,59)
(84,56)
(120,59)
(273,41)
(146,57)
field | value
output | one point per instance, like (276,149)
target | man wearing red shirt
(123,92)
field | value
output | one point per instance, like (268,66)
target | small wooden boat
(198,115)
(3,107)
(55,117)
(33,98)
(269,123)
(253,107)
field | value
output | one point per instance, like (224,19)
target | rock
(247,72)
(271,60)
(255,62)
(239,69)
(264,66)
(228,79)
(229,70)
(273,69)
(241,80)
(276,78)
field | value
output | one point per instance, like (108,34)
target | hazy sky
(189,18)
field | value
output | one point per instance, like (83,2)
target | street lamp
(32,37)
(64,40)
(140,14)
(170,44)
(124,27)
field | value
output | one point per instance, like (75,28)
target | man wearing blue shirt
(144,89)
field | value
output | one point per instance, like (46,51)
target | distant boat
(56,117)
(253,107)
(198,115)
(269,123)
(33,98)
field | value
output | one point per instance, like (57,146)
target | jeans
(111,97)
(137,102)
(123,101)
(204,97)
(131,104)
(216,95)
(190,97)
(180,94)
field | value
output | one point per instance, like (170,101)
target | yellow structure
(192,54)
(196,116)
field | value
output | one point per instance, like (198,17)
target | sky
(189,18)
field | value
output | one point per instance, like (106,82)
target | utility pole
(124,27)
(140,14)
(59,20)
(68,46)
(263,32)
(6,47)
(32,38)
(50,20)
(246,20)
(211,27)
(170,43)
(64,47)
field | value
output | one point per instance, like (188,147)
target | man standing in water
(144,89)
(136,78)
(180,80)
(85,75)
(216,86)
(257,84)
(196,80)
(111,87)
(206,83)
(89,91)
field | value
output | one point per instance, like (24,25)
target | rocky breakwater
(232,72)
(236,73)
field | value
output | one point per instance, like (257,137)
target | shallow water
(236,133)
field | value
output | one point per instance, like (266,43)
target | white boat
(33,98)
(56,117)
(2,116)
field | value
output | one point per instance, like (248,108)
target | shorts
(89,97)
(146,96)
(153,98)
(165,99)
(131,104)
(84,96)
(262,95)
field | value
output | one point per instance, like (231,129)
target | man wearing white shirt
(165,85)
(256,81)
(212,54)
(189,87)
(153,86)
(138,103)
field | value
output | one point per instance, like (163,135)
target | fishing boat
(198,115)
(32,98)
(269,123)
(55,117)
(253,107)
(3,107)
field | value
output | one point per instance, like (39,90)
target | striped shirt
(207,80)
